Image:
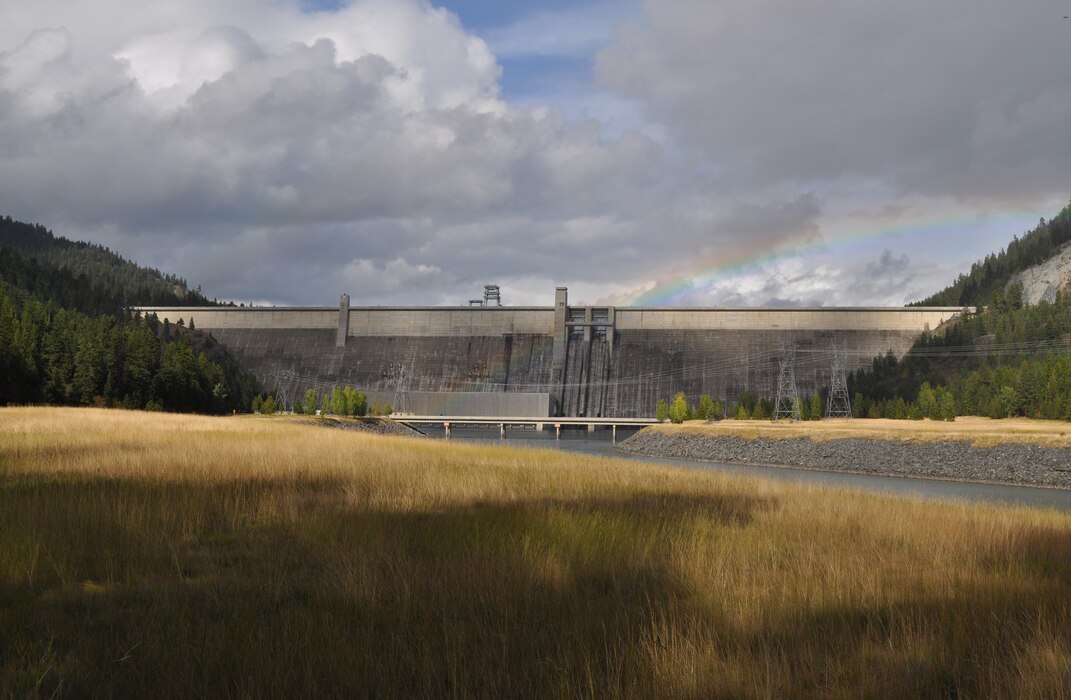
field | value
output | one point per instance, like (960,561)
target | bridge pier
(501,431)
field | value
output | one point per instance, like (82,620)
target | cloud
(267,153)
(932,99)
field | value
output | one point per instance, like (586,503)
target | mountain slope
(93,273)
(988,277)
(1011,358)
(66,338)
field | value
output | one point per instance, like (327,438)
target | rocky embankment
(1020,464)
(372,425)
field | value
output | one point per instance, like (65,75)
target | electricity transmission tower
(283,379)
(400,375)
(788,401)
(839,404)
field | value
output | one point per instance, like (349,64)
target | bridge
(538,422)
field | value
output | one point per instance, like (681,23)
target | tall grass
(977,431)
(159,555)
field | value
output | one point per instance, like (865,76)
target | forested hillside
(83,275)
(987,278)
(65,337)
(1007,359)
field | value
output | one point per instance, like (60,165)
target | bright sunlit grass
(980,432)
(162,555)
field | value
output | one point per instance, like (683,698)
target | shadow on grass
(279,589)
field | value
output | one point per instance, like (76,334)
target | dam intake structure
(590,361)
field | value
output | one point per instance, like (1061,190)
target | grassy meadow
(154,555)
(980,432)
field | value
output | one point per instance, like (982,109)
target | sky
(661,153)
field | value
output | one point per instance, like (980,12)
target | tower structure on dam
(584,360)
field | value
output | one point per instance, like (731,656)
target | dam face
(591,361)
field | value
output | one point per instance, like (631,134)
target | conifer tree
(309,407)
(680,411)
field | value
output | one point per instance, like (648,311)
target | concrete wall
(466,403)
(620,370)
(436,321)
(862,319)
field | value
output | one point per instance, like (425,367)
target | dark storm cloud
(964,99)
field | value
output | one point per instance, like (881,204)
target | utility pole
(788,400)
(839,404)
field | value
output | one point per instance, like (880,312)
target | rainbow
(683,288)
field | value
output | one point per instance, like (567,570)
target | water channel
(599,444)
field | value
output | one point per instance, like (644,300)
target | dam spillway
(592,361)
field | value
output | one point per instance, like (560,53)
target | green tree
(679,410)
(309,407)
(927,401)
(705,410)
(360,405)
(388,409)
(338,402)
(816,407)
(268,406)
(748,400)
(946,406)
(258,403)
(1007,402)
(662,411)
(325,404)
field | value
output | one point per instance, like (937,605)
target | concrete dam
(561,360)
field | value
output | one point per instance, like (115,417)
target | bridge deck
(521,420)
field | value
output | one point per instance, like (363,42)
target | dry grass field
(980,432)
(150,555)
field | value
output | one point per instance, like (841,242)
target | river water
(599,444)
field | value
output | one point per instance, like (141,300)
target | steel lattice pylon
(839,404)
(400,375)
(283,379)
(788,400)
